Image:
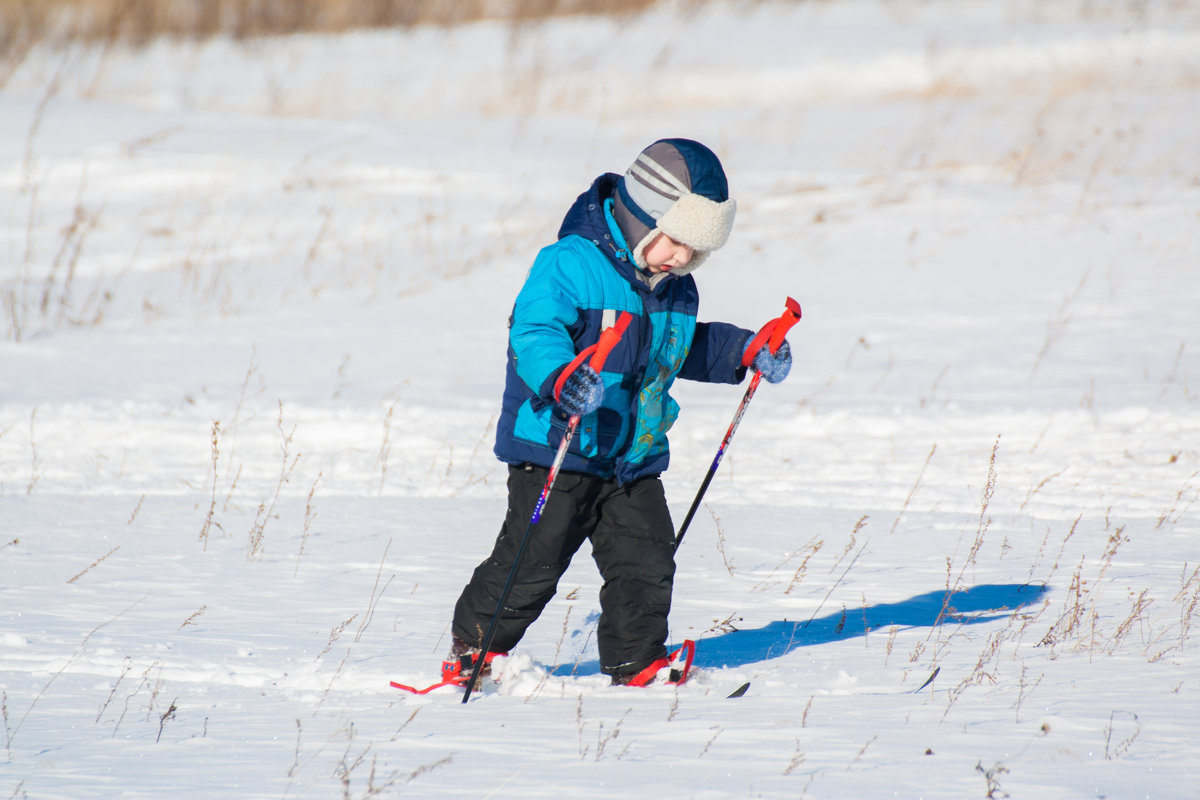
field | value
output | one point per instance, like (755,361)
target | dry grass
(24,21)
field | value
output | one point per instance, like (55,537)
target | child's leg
(634,547)
(567,519)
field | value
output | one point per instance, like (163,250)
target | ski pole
(772,334)
(598,353)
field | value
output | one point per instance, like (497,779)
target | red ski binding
(454,673)
(680,663)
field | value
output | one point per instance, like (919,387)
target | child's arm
(716,354)
(544,322)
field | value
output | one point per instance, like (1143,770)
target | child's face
(665,254)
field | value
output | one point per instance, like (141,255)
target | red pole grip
(784,324)
(609,339)
(598,351)
(773,333)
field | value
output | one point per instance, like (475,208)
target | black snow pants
(633,544)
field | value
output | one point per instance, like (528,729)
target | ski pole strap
(773,333)
(598,351)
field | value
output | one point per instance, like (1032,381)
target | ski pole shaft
(598,353)
(771,335)
(712,470)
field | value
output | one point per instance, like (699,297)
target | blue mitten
(773,366)
(582,391)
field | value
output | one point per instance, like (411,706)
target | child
(629,243)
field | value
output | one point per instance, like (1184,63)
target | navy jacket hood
(586,218)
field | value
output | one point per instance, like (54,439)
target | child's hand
(774,366)
(582,392)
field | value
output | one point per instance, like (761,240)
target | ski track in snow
(255,298)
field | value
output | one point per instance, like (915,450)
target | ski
(675,669)
(928,680)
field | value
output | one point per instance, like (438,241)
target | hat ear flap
(699,222)
(638,251)
(632,224)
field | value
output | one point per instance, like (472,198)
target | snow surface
(254,300)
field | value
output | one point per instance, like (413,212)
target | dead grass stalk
(138,21)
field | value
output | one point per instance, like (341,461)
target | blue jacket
(576,288)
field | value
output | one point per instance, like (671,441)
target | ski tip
(928,680)
(741,690)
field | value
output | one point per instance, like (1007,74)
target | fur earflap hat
(676,187)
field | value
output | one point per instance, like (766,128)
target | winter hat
(676,187)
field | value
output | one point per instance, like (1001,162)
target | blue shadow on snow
(740,647)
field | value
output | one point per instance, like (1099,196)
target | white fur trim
(699,222)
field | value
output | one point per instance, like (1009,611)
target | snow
(255,295)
